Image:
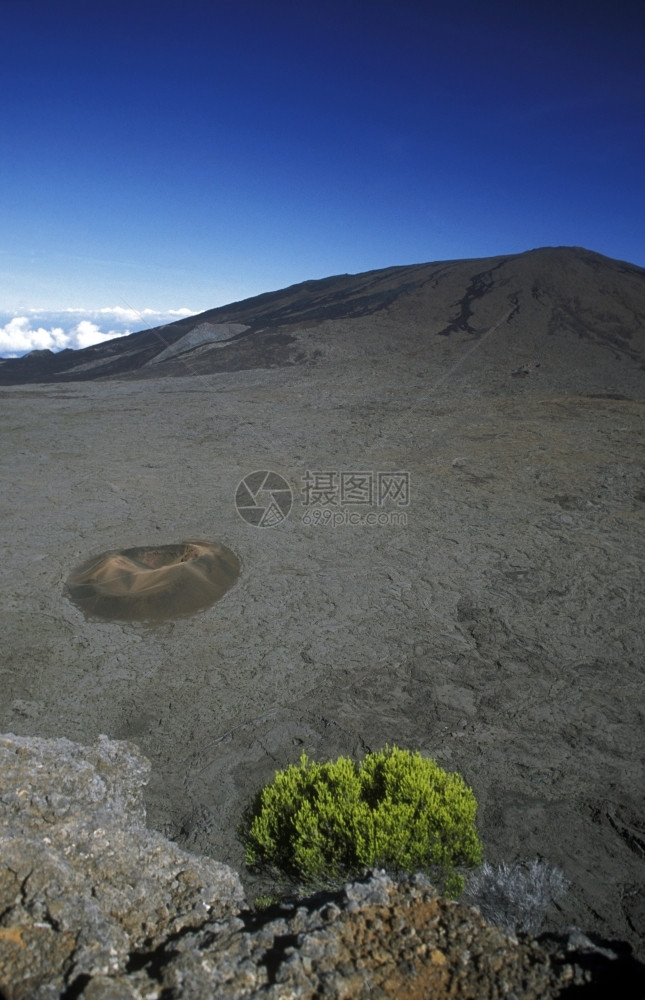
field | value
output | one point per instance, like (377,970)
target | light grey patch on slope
(205,333)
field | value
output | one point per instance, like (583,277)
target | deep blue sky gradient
(169,155)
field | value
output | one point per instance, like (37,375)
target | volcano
(537,303)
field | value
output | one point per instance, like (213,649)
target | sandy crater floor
(498,630)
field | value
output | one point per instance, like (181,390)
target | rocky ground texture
(95,906)
(491,619)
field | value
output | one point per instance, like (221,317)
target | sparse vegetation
(395,810)
(265,900)
(516,897)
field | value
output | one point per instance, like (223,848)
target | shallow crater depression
(153,583)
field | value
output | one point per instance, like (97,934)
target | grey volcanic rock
(374,939)
(83,883)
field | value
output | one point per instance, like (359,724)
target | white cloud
(21,335)
(118,313)
(18,336)
(40,329)
(88,333)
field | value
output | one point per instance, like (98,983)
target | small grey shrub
(516,897)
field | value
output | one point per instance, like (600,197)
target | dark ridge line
(479,286)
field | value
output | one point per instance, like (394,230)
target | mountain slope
(539,299)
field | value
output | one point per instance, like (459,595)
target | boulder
(83,883)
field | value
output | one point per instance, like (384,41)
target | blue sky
(177,156)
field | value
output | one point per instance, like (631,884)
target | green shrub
(394,810)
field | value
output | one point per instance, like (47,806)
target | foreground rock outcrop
(83,883)
(93,905)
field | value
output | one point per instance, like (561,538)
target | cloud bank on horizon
(38,330)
